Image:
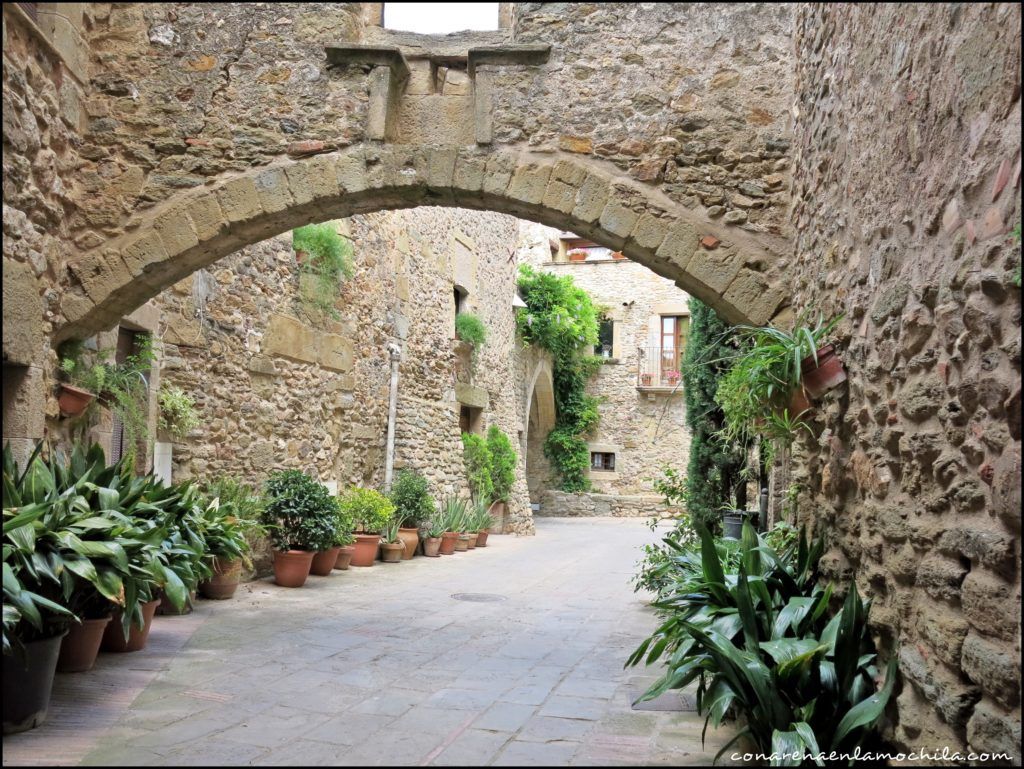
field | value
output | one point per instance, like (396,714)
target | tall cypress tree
(715,469)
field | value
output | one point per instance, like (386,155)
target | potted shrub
(343,537)
(301,518)
(452,512)
(471,330)
(503,461)
(672,378)
(372,512)
(178,511)
(231,514)
(435,531)
(391,545)
(410,494)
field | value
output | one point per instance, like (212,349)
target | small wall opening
(442,18)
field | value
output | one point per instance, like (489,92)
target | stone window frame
(604,448)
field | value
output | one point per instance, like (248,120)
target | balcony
(658,369)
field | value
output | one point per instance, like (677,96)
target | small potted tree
(301,518)
(372,512)
(410,494)
(231,515)
(503,461)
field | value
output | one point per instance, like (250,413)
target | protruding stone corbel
(483,80)
(388,75)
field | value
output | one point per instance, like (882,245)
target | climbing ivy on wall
(716,466)
(561,318)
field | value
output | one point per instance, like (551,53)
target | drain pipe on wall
(389,452)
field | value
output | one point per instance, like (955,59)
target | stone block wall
(564,505)
(906,187)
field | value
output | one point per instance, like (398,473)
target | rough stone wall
(277,389)
(907,176)
(564,505)
(647,430)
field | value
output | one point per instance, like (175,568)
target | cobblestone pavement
(382,666)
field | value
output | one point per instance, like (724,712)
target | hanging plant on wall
(561,318)
(178,415)
(471,330)
(325,262)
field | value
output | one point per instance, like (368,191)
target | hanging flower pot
(324,560)
(344,557)
(818,378)
(73,400)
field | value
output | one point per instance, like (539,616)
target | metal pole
(389,455)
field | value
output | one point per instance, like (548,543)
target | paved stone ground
(382,666)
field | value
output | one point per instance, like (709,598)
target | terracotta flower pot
(798,402)
(391,552)
(324,560)
(410,538)
(227,574)
(73,400)
(113,635)
(618,255)
(462,543)
(27,683)
(498,511)
(344,557)
(166,608)
(827,374)
(291,568)
(471,544)
(577,256)
(432,547)
(366,548)
(448,540)
(481,538)
(80,647)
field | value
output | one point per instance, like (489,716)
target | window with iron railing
(660,366)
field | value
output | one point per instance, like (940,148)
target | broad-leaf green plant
(300,513)
(410,494)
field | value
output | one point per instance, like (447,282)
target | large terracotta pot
(828,373)
(113,635)
(432,547)
(73,400)
(462,543)
(227,574)
(448,540)
(391,552)
(27,683)
(471,544)
(165,607)
(344,557)
(498,510)
(481,538)
(410,539)
(324,560)
(366,548)
(291,568)
(81,646)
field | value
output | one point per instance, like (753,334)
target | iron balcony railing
(658,367)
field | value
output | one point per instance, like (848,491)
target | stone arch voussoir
(726,267)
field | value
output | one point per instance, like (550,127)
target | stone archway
(538,421)
(722,265)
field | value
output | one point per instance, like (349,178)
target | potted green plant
(435,531)
(325,261)
(301,518)
(471,330)
(391,545)
(410,494)
(229,517)
(343,537)
(372,512)
(178,415)
(503,462)
(482,521)
(451,514)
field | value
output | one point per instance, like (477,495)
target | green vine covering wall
(561,318)
(716,467)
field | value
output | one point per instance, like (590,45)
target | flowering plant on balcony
(672,377)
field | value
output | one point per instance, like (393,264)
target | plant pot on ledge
(73,400)
(827,374)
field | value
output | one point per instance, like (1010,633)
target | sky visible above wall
(440,18)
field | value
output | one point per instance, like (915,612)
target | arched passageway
(724,266)
(540,419)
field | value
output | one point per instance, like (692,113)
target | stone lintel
(471,395)
(503,55)
(375,55)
